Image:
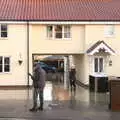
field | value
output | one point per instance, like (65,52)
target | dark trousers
(73,84)
(37,92)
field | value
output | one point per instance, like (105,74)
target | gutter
(28,54)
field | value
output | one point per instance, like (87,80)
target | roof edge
(100,45)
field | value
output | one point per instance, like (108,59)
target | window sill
(58,38)
(5,73)
(3,38)
(109,36)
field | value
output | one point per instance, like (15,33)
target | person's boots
(41,107)
(34,109)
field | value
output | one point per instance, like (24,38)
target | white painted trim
(62,22)
(13,22)
(4,38)
(54,33)
(3,57)
(92,67)
(74,22)
(98,57)
(101,46)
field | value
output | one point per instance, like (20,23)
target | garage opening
(56,67)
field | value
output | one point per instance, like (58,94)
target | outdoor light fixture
(20,59)
(20,62)
(110,63)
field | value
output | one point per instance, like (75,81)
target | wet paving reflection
(58,101)
(54,91)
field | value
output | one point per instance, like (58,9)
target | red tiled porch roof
(60,10)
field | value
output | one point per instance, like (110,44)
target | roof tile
(63,10)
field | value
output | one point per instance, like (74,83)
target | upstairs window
(4,30)
(67,31)
(58,31)
(98,65)
(49,31)
(4,64)
(109,30)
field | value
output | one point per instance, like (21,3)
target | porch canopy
(100,46)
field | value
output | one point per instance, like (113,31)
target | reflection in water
(48,92)
(55,92)
(60,93)
(96,97)
(73,100)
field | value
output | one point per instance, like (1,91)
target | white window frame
(1,31)
(63,32)
(99,57)
(66,32)
(48,32)
(3,64)
(57,32)
(109,30)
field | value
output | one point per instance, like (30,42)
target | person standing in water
(38,77)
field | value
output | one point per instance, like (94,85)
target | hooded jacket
(72,75)
(39,77)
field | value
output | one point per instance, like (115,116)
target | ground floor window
(4,64)
(98,65)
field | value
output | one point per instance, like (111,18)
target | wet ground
(60,104)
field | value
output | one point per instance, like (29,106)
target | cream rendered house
(87,30)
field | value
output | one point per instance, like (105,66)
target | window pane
(3,30)
(6,60)
(58,35)
(6,64)
(3,34)
(3,27)
(66,31)
(67,35)
(0,68)
(101,65)
(96,65)
(66,28)
(58,31)
(49,31)
(0,60)
(6,68)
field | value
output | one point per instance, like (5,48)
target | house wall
(79,65)
(13,45)
(82,68)
(83,37)
(93,33)
(41,44)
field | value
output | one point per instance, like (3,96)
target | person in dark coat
(72,77)
(38,77)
